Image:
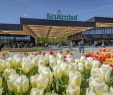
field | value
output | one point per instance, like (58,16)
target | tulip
(82,59)
(26,67)
(36,91)
(52,60)
(2,65)
(58,73)
(106,69)
(81,67)
(96,64)
(73,91)
(88,92)
(34,62)
(12,82)
(1,91)
(0,82)
(18,84)
(8,72)
(75,78)
(59,56)
(111,90)
(97,73)
(46,59)
(98,86)
(90,59)
(51,93)
(72,67)
(88,65)
(39,81)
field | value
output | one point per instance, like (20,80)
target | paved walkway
(75,51)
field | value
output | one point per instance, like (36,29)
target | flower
(0,82)
(75,78)
(52,52)
(81,67)
(73,90)
(1,91)
(36,91)
(8,72)
(96,63)
(98,86)
(2,65)
(88,64)
(39,81)
(18,84)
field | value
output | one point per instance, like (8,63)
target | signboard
(60,16)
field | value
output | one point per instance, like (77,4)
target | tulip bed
(55,74)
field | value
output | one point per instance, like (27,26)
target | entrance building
(95,29)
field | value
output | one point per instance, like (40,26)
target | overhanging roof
(55,28)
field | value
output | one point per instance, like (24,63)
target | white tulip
(98,86)
(88,65)
(58,73)
(81,67)
(1,91)
(88,92)
(75,78)
(111,90)
(26,67)
(8,72)
(36,91)
(52,60)
(96,72)
(90,59)
(0,82)
(2,65)
(73,91)
(39,81)
(96,63)
(106,69)
(19,84)
(82,59)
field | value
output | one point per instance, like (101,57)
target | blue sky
(12,10)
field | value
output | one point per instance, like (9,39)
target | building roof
(32,21)
(101,19)
(13,27)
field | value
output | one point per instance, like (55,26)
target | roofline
(33,21)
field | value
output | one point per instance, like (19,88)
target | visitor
(81,46)
(103,44)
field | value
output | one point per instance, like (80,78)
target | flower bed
(54,74)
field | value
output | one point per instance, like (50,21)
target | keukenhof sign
(60,16)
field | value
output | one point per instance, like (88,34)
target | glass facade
(18,38)
(98,31)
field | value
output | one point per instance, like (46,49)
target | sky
(12,10)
